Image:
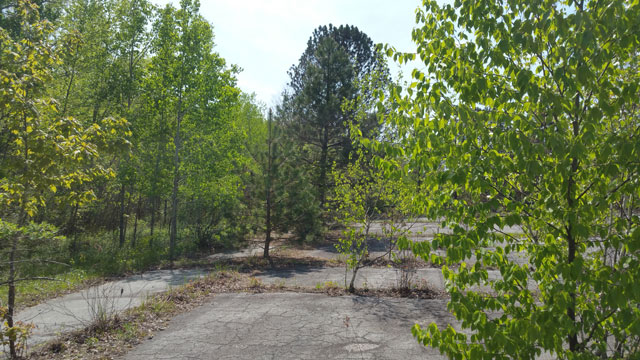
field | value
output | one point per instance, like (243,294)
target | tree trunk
(176,178)
(352,287)
(153,217)
(152,201)
(572,338)
(96,112)
(131,74)
(66,97)
(154,197)
(269,179)
(11,301)
(72,230)
(164,214)
(122,225)
(135,223)
(322,181)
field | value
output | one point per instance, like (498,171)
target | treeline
(179,161)
(125,141)
(180,147)
(122,129)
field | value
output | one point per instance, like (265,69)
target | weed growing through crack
(255,282)
(280,284)
(327,285)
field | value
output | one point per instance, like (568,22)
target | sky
(266,37)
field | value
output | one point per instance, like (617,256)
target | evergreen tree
(335,60)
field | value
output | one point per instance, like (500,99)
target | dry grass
(132,327)
(330,290)
(137,324)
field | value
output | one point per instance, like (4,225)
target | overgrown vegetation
(125,144)
(116,334)
(525,114)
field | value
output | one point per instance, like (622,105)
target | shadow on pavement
(290,272)
(407,310)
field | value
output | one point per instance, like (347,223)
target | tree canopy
(525,115)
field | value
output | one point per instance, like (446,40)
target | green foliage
(100,254)
(43,152)
(11,17)
(18,333)
(102,62)
(335,59)
(357,197)
(527,117)
(192,90)
(363,197)
(281,189)
(293,198)
(46,157)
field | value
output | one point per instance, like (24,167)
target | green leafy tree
(103,45)
(132,40)
(154,139)
(270,169)
(527,116)
(360,197)
(87,85)
(193,87)
(11,21)
(43,151)
(212,184)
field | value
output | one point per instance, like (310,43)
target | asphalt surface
(371,278)
(297,326)
(269,325)
(77,310)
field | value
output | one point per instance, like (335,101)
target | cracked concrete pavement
(297,326)
(76,310)
(372,278)
(270,325)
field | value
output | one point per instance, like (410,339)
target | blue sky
(266,37)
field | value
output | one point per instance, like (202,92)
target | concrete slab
(297,326)
(372,278)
